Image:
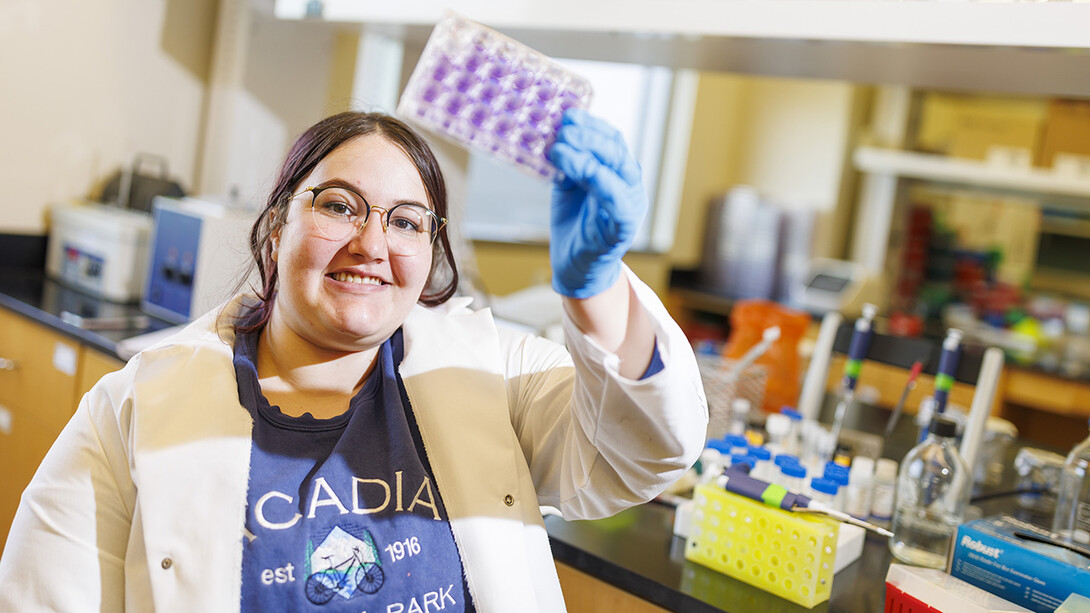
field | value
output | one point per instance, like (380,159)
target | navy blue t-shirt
(343,513)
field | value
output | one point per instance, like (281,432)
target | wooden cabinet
(586,594)
(93,365)
(42,376)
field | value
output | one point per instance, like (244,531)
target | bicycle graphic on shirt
(361,570)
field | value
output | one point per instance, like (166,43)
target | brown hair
(312,147)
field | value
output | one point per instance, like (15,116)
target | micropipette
(948,367)
(738,480)
(857,352)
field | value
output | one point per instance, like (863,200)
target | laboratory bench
(637,553)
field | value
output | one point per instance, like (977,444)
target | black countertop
(32,294)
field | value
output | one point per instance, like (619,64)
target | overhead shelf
(970,172)
(1016,47)
(1052,25)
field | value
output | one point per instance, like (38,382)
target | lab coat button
(167,563)
(509,500)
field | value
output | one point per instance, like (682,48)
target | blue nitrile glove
(597,205)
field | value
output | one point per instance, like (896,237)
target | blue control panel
(173,264)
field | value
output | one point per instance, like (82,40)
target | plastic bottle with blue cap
(793,476)
(824,491)
(838,475)
(764,469)
(793,440)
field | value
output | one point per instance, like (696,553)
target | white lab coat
(141,501)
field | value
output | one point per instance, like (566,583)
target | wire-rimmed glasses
(410,228)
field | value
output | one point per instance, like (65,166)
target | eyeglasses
(409,228)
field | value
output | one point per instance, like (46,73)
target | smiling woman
(350,437)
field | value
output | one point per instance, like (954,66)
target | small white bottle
(857,501)
(712,463)
(885,492)
(778,427)
(739,416)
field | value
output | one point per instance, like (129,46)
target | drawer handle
(6,364)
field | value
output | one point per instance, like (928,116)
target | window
(505,204)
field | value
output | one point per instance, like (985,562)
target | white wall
(789,138)
(795,139)
(271,83)
(85,85)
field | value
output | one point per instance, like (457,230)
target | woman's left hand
(597,206)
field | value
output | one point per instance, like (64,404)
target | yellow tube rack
(787,554)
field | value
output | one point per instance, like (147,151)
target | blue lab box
(990,554)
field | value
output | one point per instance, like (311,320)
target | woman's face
(350,294)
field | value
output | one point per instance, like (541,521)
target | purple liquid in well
(528,140)
(523,80)
(513,103)
(465,82)
(537,115)
(499,68)
(455,104)
(546,91)
(443,67)
(489,90)
(430,93)
(503,126)
(479,116)
(475,60)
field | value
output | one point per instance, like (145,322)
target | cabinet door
(40,371)
(93,365)
(37,384)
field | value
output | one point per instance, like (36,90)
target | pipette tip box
(791,555)
(490,93)
(988,554)
(910,589)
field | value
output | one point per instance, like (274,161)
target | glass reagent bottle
(933,488)
(1072,518)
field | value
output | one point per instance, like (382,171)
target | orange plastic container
(748,321)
